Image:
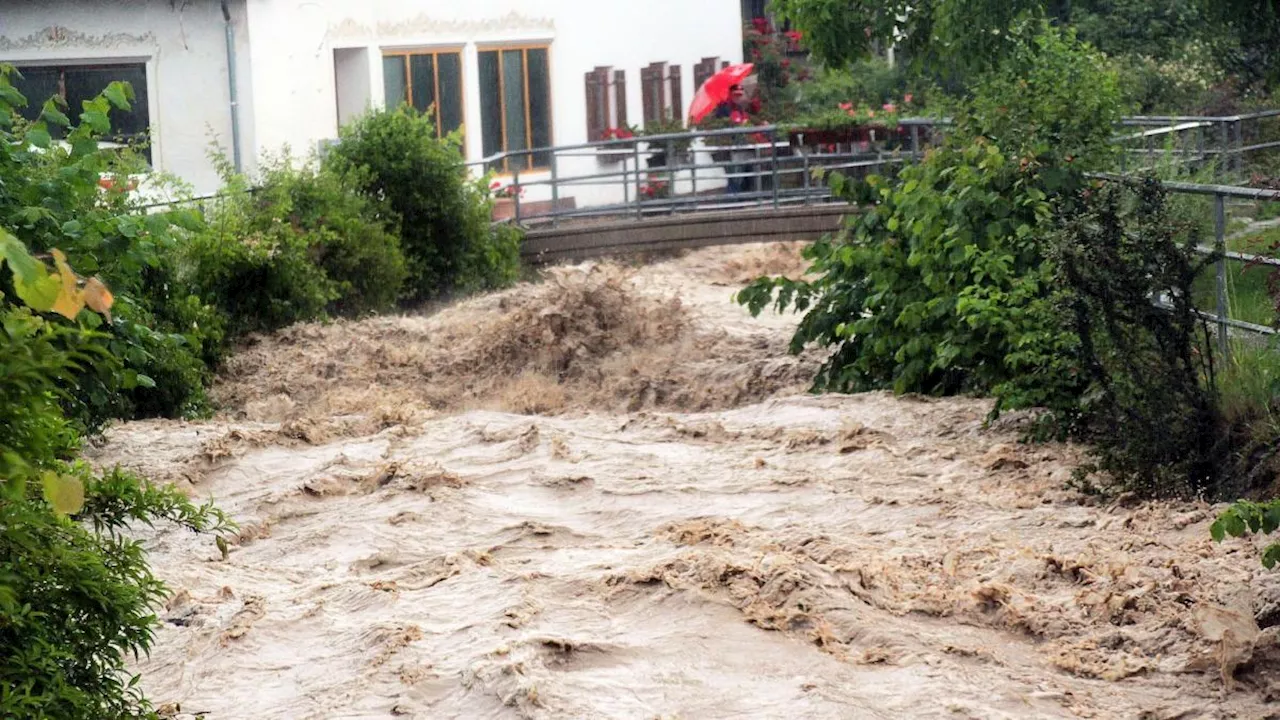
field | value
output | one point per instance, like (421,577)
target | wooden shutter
(651,93)
(597,82)
(677,94)
(704,70)
(620,96)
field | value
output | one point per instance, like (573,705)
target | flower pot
(503,209)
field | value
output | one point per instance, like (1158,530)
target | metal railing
(773,165)
(716,169)
(1190,139)
(1221,317)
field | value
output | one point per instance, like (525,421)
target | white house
(256,75)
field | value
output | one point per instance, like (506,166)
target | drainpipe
(231,82)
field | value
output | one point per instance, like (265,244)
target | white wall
(183,46)
(294,72)
(287,76)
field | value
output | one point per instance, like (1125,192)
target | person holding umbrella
(723,96)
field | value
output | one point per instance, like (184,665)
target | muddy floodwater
(607,495)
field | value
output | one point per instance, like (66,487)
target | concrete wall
(184,47)
(292,55)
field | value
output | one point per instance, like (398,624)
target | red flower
(907,98)
(786,63)
(793,35)
(761,25)
(846,106)
(889,107)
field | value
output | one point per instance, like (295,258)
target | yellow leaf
(98,297)
(70,300)
(64,493)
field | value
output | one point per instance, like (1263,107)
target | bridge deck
(679,232)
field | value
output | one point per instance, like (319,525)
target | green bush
(260,280)
(1149,408)
(51,199)
(443,216)
(941,285)
(76,595)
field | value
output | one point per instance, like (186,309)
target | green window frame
(429,81)
(515,105)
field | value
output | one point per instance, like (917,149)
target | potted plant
(504,199)
(616,151)
(655,189)
(668,126)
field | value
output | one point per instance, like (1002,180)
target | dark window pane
(450,74)
(490,103)
(513,107)
(422,75)
(85,83)
(394,80)
(37,84)
(540,104)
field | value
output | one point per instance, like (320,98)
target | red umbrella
(716,90)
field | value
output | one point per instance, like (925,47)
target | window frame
(405,54)
(150,152)
(504,168)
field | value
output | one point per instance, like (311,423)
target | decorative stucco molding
(423,24)
(56,36)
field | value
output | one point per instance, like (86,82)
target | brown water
(410,547)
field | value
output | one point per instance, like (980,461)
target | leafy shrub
(1053,99)
(260,279)
(1148,408)
(76,595)
(52,199)
(941,286)
(1250,518)
(445,234)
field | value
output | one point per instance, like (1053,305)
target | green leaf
(38,136)
(72,228)
(96,120)
(119,95)
(145,381)
(64,493)
(1271,556)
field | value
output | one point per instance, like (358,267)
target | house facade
(256,76)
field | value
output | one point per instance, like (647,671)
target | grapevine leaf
(1271,556)
(70,301)
(64,493)
(1218,530)
(119,95)
(98,297)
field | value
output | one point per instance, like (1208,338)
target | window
(606,101)
(660,89)
(515,105)
(429,81)
(752,9)
(78,83)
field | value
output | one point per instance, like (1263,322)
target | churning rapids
(606,495)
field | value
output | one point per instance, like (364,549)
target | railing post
(515,183)
(693,172)
(805,155)
(555,192)
(1220,244)
(1224,156)
(1239,163)
(635,151)
(626,185)
(773,154)
(671,175)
